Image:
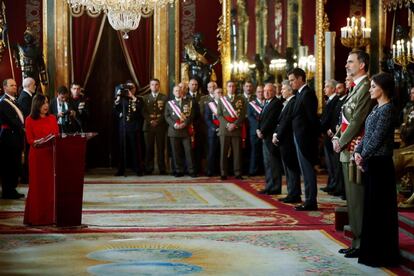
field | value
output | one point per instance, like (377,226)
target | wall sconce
(356,34)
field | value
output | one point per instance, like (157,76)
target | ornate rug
(201,253)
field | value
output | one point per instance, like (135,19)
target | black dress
(379,237)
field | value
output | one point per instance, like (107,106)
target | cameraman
(60,107)
(128,108)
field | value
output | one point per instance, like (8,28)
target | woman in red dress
(40,199)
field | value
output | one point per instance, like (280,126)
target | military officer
(154,127)
(179,115)
(231,111)
(355,109)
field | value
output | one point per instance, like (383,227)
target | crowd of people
(272,131)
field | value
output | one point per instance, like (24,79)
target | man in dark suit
(25,104)
(60,107)
(305,124)
(283,137)
(179,114)
(213,123)
(200,129)
(271,153)
(11,140)
(154,127)
(79,103)
(254,109)
(128,108)
(326,124)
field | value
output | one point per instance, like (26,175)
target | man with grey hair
(328,116)
(25,104)
(283,137)
(271,154)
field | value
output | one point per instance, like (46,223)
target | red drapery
(86,34)
(138,51)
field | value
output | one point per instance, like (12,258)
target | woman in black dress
(379,237)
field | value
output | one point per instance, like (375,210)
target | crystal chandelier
(123,15)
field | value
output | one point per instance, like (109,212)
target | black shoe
(292,200)
(140,174)
(239,177)
(193,175)
(274,193)
(263,192)
(354,253)
(148,172)
(223,177)
(306,207)
(345,250)
(163,173)
(326,189)
(119,173)
(179,175)
(209,174)
(15,195)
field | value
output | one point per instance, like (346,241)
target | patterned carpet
(163,226)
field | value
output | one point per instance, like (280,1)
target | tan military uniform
(153,110)
(355,110)
(231,139)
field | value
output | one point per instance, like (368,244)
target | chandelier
(403,53)
(355,34)
(123,15)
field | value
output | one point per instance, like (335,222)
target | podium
(69,169)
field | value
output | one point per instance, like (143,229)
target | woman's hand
(358,159)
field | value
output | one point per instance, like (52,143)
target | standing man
(211,86)
(283,137)
(213,123)
(355,109)
(25,104)
(154,127)
(271,154)
(128,109)
(248,96)
(179,116)
(254,109)
(200,130)
(326,123)
(305,125)
(79,104)
(11,140)
(231,112)
(60,107)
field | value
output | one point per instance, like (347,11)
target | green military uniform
(231,139)
(153,110)
(180,138)
(355,109)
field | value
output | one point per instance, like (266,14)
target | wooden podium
(69,170)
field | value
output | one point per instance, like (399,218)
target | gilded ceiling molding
(396,4)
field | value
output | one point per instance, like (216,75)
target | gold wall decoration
(395,4)
(161,47)
(319,13)
(2,27)
(224,39)
(261,26)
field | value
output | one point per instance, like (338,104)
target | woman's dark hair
(386,82)
(38,101)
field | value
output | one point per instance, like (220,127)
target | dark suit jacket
(268,117)
(13,135)
(54,106)
(328,115)
(305,122)
(25,103)
(285,135)
(253,118)
(336,119)
(208,118)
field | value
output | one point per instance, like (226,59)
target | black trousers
(11,146)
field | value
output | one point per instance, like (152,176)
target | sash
(19,113)
(256,107)
(177,110)
(229,108)
(213,107)
(344,123)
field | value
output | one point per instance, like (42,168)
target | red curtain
(138,51)
(86,34)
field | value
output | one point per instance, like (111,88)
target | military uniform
(180,138)
(128,114)
(355,109)
(231,139)
(153,110)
